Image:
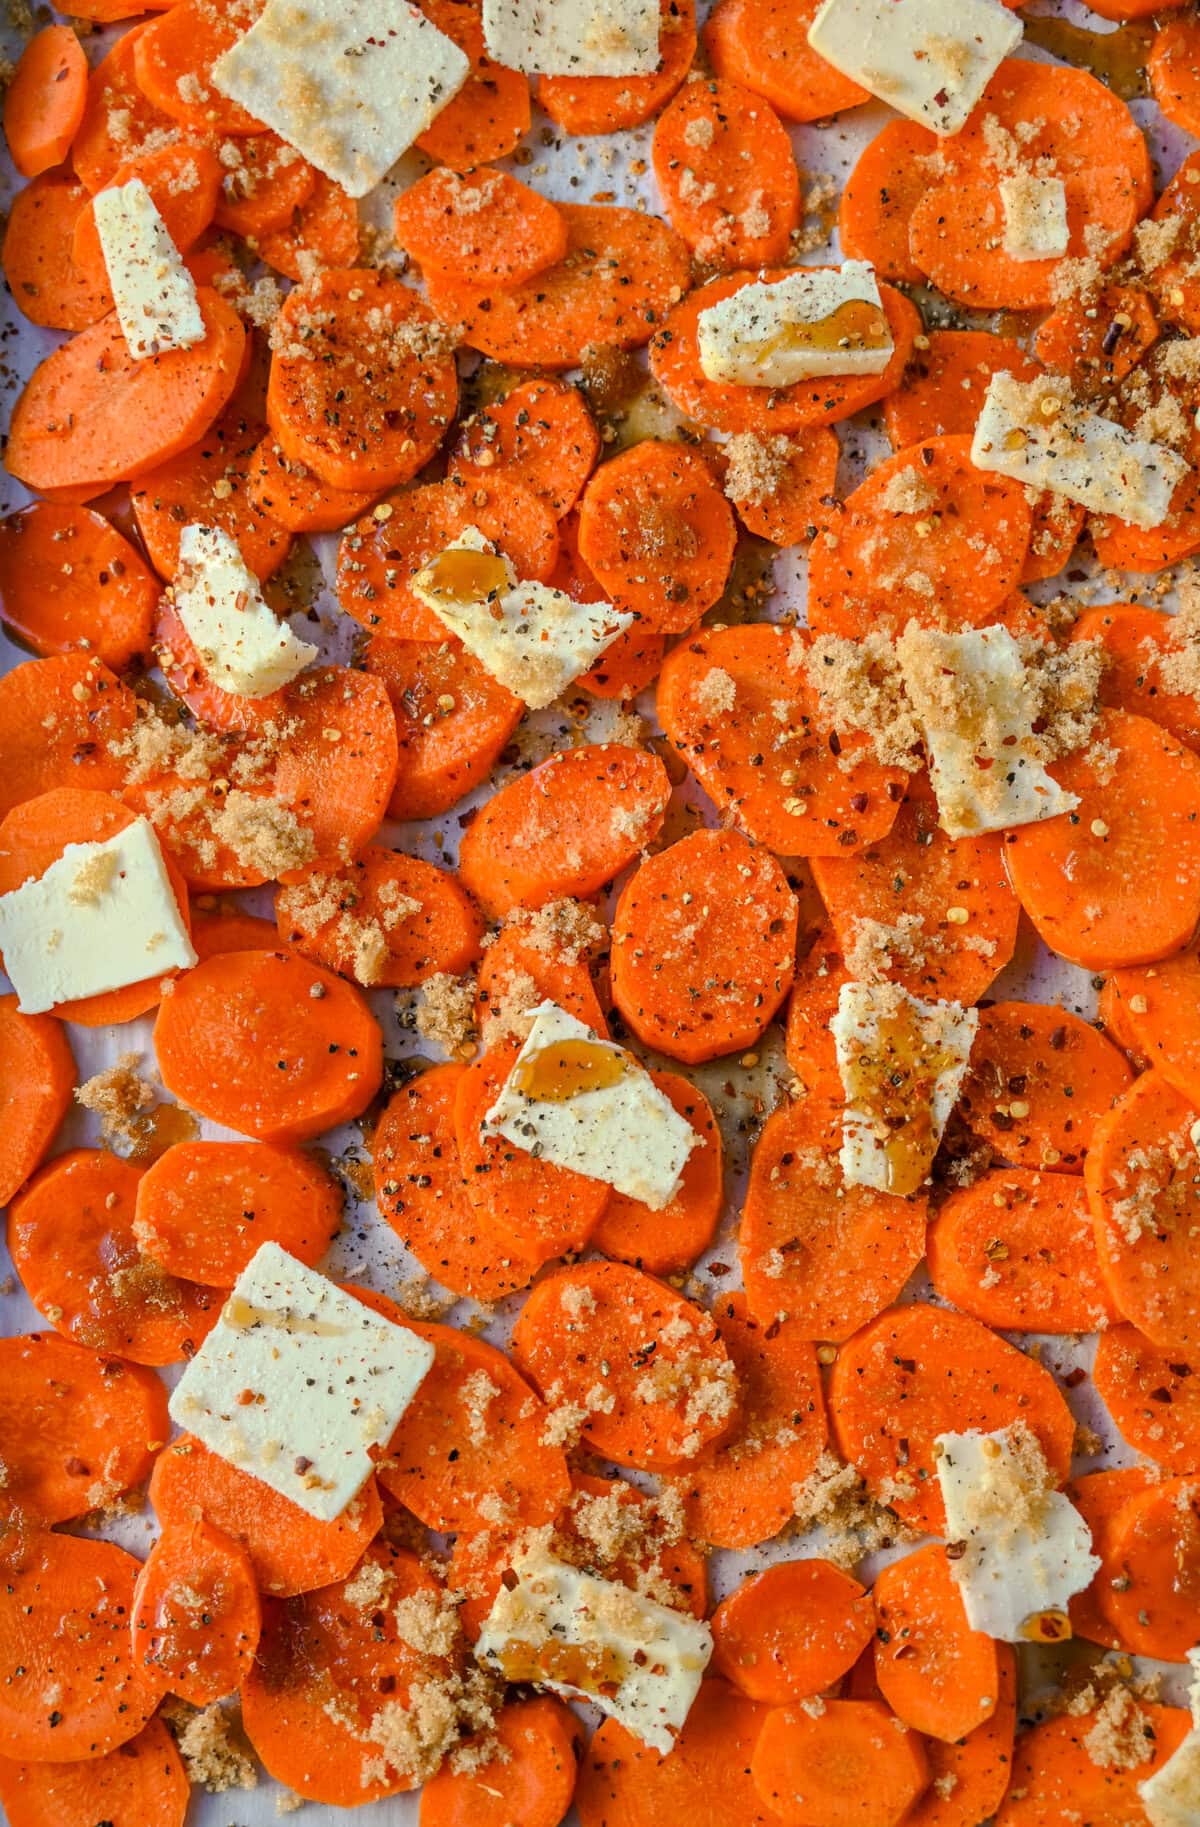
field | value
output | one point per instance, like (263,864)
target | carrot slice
(290,1551)
(853,1764)
(69,580)
(484,223)
(564,829)
(229,930)
(530,1778)
(740,706)
(37,1079)
(322,231)
(1039,1081)
(1149,1585)
(727,175)
(142,1780)
(490,115)
(1100,1497)
(333,760)
(360,390)
(1151,1395)
(944,386)
(66,1627)
(763,44)
(826,1256)
(45,99)
(609,104)
(790,1632)
(79,1429)
(889,180)
(541,434)
(196,1614)
(918,1372)
(1171,67)
(386,919)
(651,1409)
(1098,339)
(174,62)
(90,415)
(1145,655)
(621,273)
(289,1049)
(703,946)
(541,958)
(60,720)
(45,283)
(1143,1192)
(812,1006)
(727,406)
(184,182)
(940,1676)
(204,1208)
(119,121)
(453,721)
(970,1776)
(780,484)
(668,1241)
(293,497)
(705,1777)
(1081,876)
(1172,284)
(742,1490)
(1055,1776)
(208,485)
(264,181)
(657,534)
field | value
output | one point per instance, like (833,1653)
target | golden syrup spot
(459,577)
(895,1078)
(591,1668)
(857,324)
(555,1074)
(242,1314)
(1046,1627)
(154,1131)
(1117,58)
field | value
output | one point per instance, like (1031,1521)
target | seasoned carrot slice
(37,1079)
(918,1372)
(1152,1396)
(668,1241)
(60,720)
(184,181)
(741,707)
(853,1762)
(208,485)
(827,1256)
(542,958)
(1099,339)
(651,1410)
(289,494)
(657,534)
(184,671)
(1172,284)
(196,1614)
(453,720)
(780,484)
(812,1006)
(290,1551)
(229,930)
(792,1631)
(970,1776)
(763,44)
(142,1780)
(1171,67)
(937,1674)
(530,1778)
(703,946)
(264,182)
(386,919)
(359,389)
(335,764)
(541,434)
(1146,665)
(1100,1497)
(608,104)
(174,59)
(727,175)
(46,285)
(321,232)
(119,121)
(45,99)
(484,223)
(1039,1081)
(1149,1585)
(1122,547)
(69,580)
(565,828)
(943,389)
(889,180)
(490,115)
(1081,876)
(205,1208)
(705,1777)
(1054,1774)
(742,1490)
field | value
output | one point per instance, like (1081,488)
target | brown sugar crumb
(156,745)
(1154,241)
(878,948)
(263,834)
(861,688)
(1179,661)
(324,905)
(564,926)
(214,1752)
(117,1096)
(716,693)
(429,1623)
(834,1498)
(92,878)
(1122,1737)
(414,1738)
(758,465)
(445,1013)
(908,492)
(1066,681)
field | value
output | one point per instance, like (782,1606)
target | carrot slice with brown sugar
(542,434)
(142,1780)
(1054,1774)
(61,720)
(853,1762)
(529,1778)
(196,1614)
(174,62)
(1147,665)
(1100,1497)
(490,115)
(263,183)
(608,104)
(46,286)
(289,494)
(889,180)
(657,534)
(119,121)
(69,580)
(763,44)
(936,1673)
(334,759)
(385,919)
(539,958)
(1097,340)
(970,1776)
(812,1006)
(667,1241)
(705,1777)
(780,484)
(1039,1081)
(943,390)
(727,174)
(37,1079)
(209,485)
(321,232)
(44,101)
(484,223)
(1153,1395)
(790,1632)
(205,1208)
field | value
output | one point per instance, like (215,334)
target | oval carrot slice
(289,494)
(657,534)
(740,706)
(918,1372)
(937,1674)
(705,1777)
(609,104)
(790,1632)
(333,761)
(322,232)
(1157,1008)
(742,1490)
(489,117)
(1151,1595)
(814,1769)
(763,44)
(779,484)
(1100,1497)
(652,1409)
(174,62)
(37,1079)
(45,283)
(142,1780)
(1081,876)
(1097,340)
(564,829)
(1150,1394)
(196,1614)
(668,1241)
(943,390)
(119,121)
(530,1778)
(541,434)
(825,1256)
(889,180)
(290,1551)
(1171,67)
(703,946)
(264,183)
(62,721)
(453,721)
(970,1776)
(279,1062)
(209,485)
(385,919)
(484,223)
(227,929)
(45,99)
(1054,1773)
(1146,665)
(69,580)
(727,175)
(205,1208)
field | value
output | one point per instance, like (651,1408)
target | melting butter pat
(773,333)
(1035,217)
(1171,1797)
(154,295)
(574,37)
(930,59)
(243,645)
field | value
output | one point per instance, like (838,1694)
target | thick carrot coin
(1146,667)
(727,175)
(333,762)
(1172,69)
(142,1780)
(937,1674)
(1100,1497)
(37,1079)
(174,62)
(45,283)
(763,44)
(196,1614)
(264,183)
(484,223)
(651,1410)
(1039,1081)
(705,1777)
(1054,1775)
(205,1208)
(541,434)
(490,115)
(1153,1396)
(945,384)
(61,720)
(290,1550)
(918,1372)
(853,1764)
(564,829)
(790,1632)
(703,946)
(530,1778)
(1151,1595)
(889,180)
(453,721)
(742,1490)
(45,99)
(321,232)
(209,485)
(386,919)
(657,534)
(970,1776)
(667,1241)
(288,1049)
(92,591)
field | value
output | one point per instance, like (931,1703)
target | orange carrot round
(812,1006)
(92,591)
(385,919)
(1152,1395)
(1100,1497)
(60,720)
(196,1614)
(530,1778)
(289,494)
(1149,1587)
(264,182)
(763,44)
(142,1780)
(119,121)
(727,175)
(790,1632)
(657,534)
(453,720)
(541,434)
(37,1079)
(887,183)
(1143,656)
(489,116)
(781,492)
(705,1777)
(944,386)
(970,1776)
(484,223)
(608,104)
(667,1241)
(46,285)
(1054,1774)
(209,485)
(184,181)
(937,1674)
(321,232)
(531,961)
(853,1764)
(45,99)
(174,61)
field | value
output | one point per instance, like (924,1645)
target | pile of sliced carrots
(539,378)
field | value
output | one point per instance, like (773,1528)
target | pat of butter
(931,59)
(153,293)
(773,333)
(1035,217)
(574,37)
(243,645)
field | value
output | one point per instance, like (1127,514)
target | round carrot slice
(918,1372)
(1098,339)
(812,1006)
(780,484)
(142,1780)
(489,117)
(1171,68)
(889,180)
(853,1764)
(1153,1395)
(208,484)
(333,760)
(196,1614)
(37,1079)
(484,223)
(541,434)
(742,1490)
(530,1777)
(205,1208)
(543,957)
(657,534)
(1054,1774)
(322,232)
(1158,1012)
(740,706)
(184,671)
(969,1777)
(727,174)
(790,1632)
(119,121)
(45,99)
(290,1551)
(46,286)
(937,1674)
(668,1241)
(1039,1081)
(703,946)
(288,1049)
(264,182)
(611,104)
(1149,1586)
(763,44)
(651,1408)
(944,386)
(386,919)
(61,720)
(65,1631)
(227,929)
(289,494)
(705,1777)
(1100,1497)
(360,390)
(92,592)
(824,1256)
(1146,665)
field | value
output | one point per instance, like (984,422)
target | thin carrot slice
(1039,1081)
(72,1240)
(780,484)
(853,1764)
(826,1256)
(264,182)
(621,274)
(610,104)
(421,1193)
(727,406)
(205,1208)
(60,720)
(1099,339)
(727,175)
(184,181)
(45,99)
(812,1006)
(334,758)
(542,958)
(705,1777)
(1149,1586)
(1172,284)
(742,1490)
(174,64)
(1152,1396)
(970,1776)
(359,389)
(1144,1195)
(530,1777)
(453,721)
(908,894)
(889,180)
(668,1241)
(37,1079)
(385,919)
(790,1632)
(918,1372)
(208,485)
(490,115)
(1056,525)
(1055,1776)
(484,223)
(1081,876)
(65,1627)
(289,1049)
(45,283)
(119,121)
(740,706)
(230,930)
(655,1410)
(541,434)
(188,817)
(196,1614)
(1146,665)
(763,44)
(564,829)
(70,581)
(940,1676)
(293,497)
(944,386)
(1100,1497)
(78,1429)
(290,1551)
(92,415)
(142,1780)
(1171,68)
(657,534)
(322,231)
